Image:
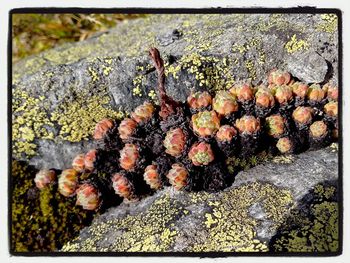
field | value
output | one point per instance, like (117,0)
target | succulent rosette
(102,127)
(331,91)
(226,133)
(244,92)
(279,77)
(88,196)
(315,94)
(201,154)
(318,129)
(331,109)
(129,156)
(152,177)
(283,94)
(178,176)
(199,100)
(205,123)
(248,125)
(126,128)
(89,160)
(275,125)
(264,98)
(44,177)
(299,89)
(174,142)
(68,182)
(122,186)
(143,113)
(302,115)
(224,103)
(284,145)
(78,163)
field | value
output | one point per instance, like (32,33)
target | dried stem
(167,104)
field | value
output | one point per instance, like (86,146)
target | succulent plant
(88,196)
(318,129)
(279,77)
(248,125)
(303,115)
(244,92)
(44,177)
(199,100)
(129,156)
(126,128)
(315,93)
(331,91)
(201,154)
(174,142)
(283,94)
(224,103)
(178,176)
(205,123)
(299,89)
(275,125)
(331,109)
(284,145)
(122,186)
(143,113)
(78,163)
(102,127)
(68,182)
(89,160)
(152,177)
(264,98)
(226,133)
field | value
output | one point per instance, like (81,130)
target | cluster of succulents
(185,145)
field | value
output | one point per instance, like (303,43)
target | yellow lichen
(329,24)
(294,44)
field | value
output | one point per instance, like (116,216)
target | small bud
(279,77)
(224,103)
(102,127)
(205,123)
(284,145)
(126,128)
(143,113)
(89,160)
(199,100)
(44,177)
(87,197)
(68,182)
(303,115)
(248,124)
(226,133)
(79,163)
(283,94)
(318,129)
(152,177)
(177,176)
(331,109)
(315,93)
(122,186)
(174,142)
(201,154)
(129,156)
(275,125)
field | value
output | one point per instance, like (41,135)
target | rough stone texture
(60,94)
(254,214)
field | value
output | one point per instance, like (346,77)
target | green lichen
(41,220)
(78,118)
(235,164)
(29,122)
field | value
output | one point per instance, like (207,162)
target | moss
(29,122)
(313,228)
(294,44)
(41,220)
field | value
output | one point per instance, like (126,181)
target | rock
(60,94)
(262,211)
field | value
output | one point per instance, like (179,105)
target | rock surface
(271,207)
(59,95)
